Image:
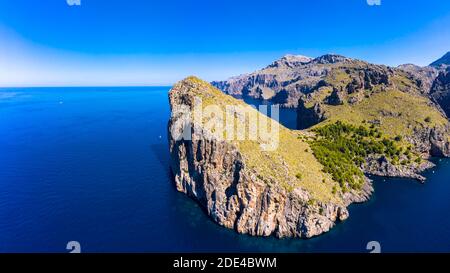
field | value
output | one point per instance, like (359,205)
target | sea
(91,166)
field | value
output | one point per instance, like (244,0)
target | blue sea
(91,165)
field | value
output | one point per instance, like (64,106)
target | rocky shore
(217,174)
(392,121)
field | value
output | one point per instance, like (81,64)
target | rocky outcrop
(336,98)
(427,141)
(333,81)
(217,174)
(238,194)
(431,141)
(443,62)
(382,166)
(307,117)
(289,78)
(290,61)
(282,82)
(422,76)
(331,59)
(440,91)
(366,78)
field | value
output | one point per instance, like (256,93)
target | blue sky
(153,42)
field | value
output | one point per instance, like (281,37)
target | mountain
(443,61)
(242,185)
(366,119)
(434,80)
(289,78)
(440,91)
(333,88)
(389,99)
(283,81)
(290,61)
(440,88)
(424,76)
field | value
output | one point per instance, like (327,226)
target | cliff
(390,101)
(423,76)
(444,61)
(289,78)
(356,118)
(440,90)
(282,82)
(248,185)
(406,103)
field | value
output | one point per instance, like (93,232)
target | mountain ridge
(332,87)
(443,61)
(284,192)
(356,119)
(303,187)
(284,82)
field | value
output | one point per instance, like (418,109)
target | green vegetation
(397,108)
(291,165)
(403,113)
(327,159)
(342,148)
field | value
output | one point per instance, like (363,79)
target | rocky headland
(356,119)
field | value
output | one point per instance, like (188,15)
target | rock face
(440,90)
(286,80)
(334,87)
(219,175)
(282,82)
(288,193)
(364,78)
(290,61)
(336,97)
(423,76)
(307,117)
(432,141)
(381,166)
(442,62)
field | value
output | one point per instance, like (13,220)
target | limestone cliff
(440,90)
(408,103)
(282,192)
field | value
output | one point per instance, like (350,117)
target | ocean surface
(91,165)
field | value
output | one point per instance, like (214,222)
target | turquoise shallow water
(91,165)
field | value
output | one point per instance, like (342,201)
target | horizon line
(225,78)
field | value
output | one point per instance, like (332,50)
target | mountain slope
(434,80)
(289,78)
(302,186)
(243,186)
(394,101)
(440,90)
(443,61)
(423,76)
(282,82)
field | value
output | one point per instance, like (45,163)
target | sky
(158,42)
